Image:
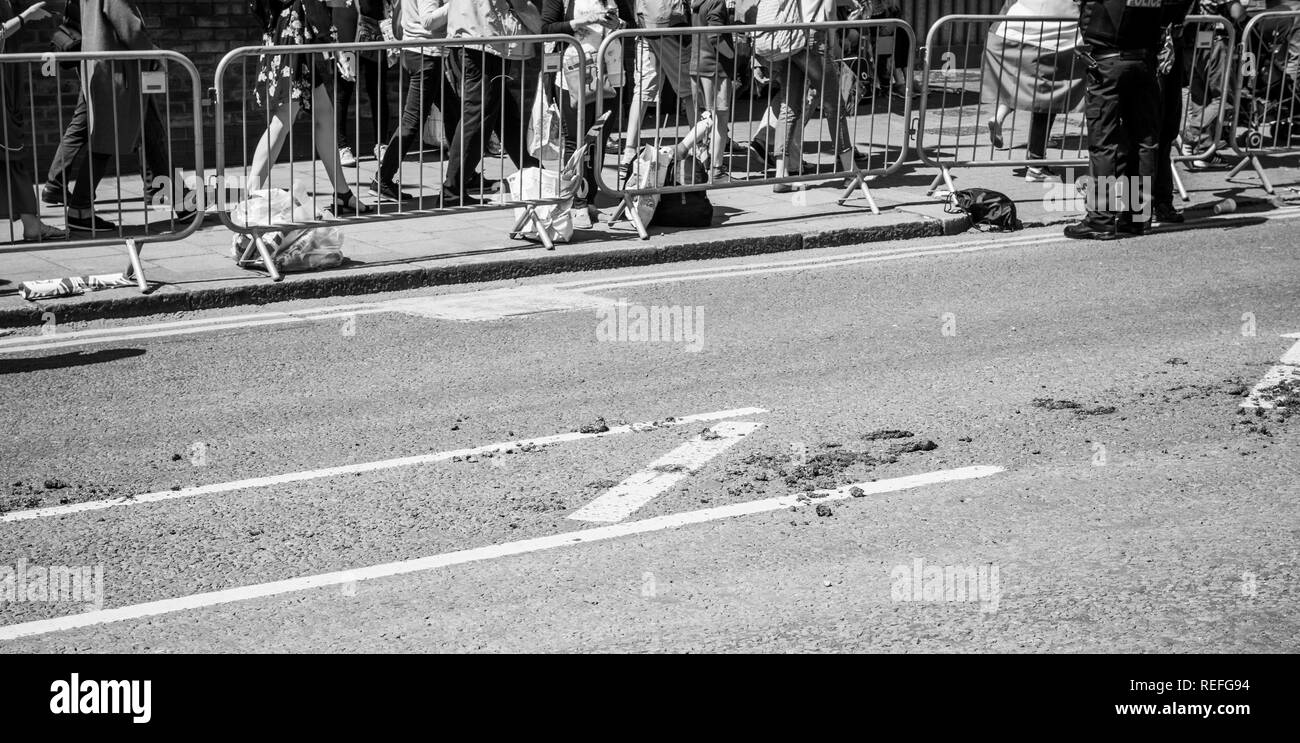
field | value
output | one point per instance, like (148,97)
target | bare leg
(269,146)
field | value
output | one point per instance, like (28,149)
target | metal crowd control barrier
(1208,43)
(999,81)
(123,130)
(843,74)
(991,56)
(475,94)
(1266,115)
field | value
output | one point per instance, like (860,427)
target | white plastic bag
(534,184)
(649,170)
(307,249)
(545,142)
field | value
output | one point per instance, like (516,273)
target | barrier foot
(627,211)
(542,233)
(137,270)
(1236,169)
(517,231)
(860,182)
(1178,182)
(1268,185)
(1254,163)
(267,261)
(945,177)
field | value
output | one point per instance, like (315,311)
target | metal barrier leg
(1178,181)
(944,176)
(137,270)
(1253,162)
(860,181)
(267,261)
(627,210)
(1236,169)
(517,232)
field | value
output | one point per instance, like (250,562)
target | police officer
(1171,74)
(1121,39)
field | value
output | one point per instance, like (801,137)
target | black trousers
(496,94)
(372,72)
(426,88)
(1123,114)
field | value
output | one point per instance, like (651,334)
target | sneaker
(613,145)
(54,194)
(388,191)
(93,223)
(1166,214)
(787,188)
(347,158)
(1040,173)
(719,175)
(581,214)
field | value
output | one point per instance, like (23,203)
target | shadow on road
(68,360)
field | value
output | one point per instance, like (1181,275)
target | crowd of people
(481,100)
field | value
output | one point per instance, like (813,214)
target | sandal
(348,202)
(995,135)
(48,232)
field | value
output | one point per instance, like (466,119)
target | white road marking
(797,263)
(629,496)
(351,469)
(871,258)
(496,304)
(422,564)
(486,305)
(185,327)
(1262,395)
(535,298)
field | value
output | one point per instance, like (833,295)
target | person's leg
(71,151)
(476,103)
(823,74)
(1170,96)
(81,200)
(674,60)
(322,109)
(421,76)
(793,75)
(449,102)
(1040,129)
(1107,142)
(1140,112)
(268,147)
(374,73)
(516,104)
(645,91)
(345,92)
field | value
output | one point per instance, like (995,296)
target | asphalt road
(1125,501)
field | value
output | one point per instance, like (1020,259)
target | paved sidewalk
(198,272)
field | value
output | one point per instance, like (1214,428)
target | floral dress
(289,76)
